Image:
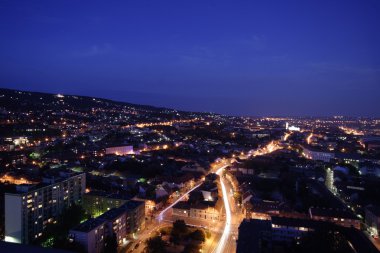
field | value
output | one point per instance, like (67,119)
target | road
(219,242)
(224,235)
(148,232)
(161,215)
(227,227)
(227,242)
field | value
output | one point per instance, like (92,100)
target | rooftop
(112,214)
(332,212)
(132,204)
(293,222)
(88,225)
(250,235)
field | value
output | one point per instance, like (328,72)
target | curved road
(227,227)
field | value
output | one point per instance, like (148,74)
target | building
(242,171)
(349,158)
(339,217)
(115,224)
(257,235)
(29,209)
(254,236)
(317,155)
(205,210)
(16,247)
(120,150)
(287,229)
(90,235)
(97,202)
(123,222)
(151,205)
(273,234)
(294,128)
(135,216)
(262,209)
(181,210)
(193,167)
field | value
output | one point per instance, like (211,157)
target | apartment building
(123,222)
(90,235)
(30,208)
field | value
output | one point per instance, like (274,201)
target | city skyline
(172,126)
(85,174)
(254,59)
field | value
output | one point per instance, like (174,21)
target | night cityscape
(190,126)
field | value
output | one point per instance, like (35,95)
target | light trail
(308,139)
(286,136)
(227,227)
(161,214)
(350,131)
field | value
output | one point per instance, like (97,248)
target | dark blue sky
(317,57)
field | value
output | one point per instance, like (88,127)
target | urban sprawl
(83,174)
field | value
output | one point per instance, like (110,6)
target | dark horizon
(245,58)
(195,111)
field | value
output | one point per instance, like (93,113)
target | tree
(198,235)
(179,229)
(155,245)
(191,248)
(55,234)
(175,238)
(179,226)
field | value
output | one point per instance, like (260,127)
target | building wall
(287,233)
(317,155)
(92,241)
(135,220)
(13,218)
(181,212)
(339,221)
(117,227)
(207,214)
(41,206)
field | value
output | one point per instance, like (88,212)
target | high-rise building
(30,208)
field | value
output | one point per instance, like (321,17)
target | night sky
(317,57)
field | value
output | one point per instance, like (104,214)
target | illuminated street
(227,227)
(190,126)
(160,216)
(269,148)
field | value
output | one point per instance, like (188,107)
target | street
(223,234)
